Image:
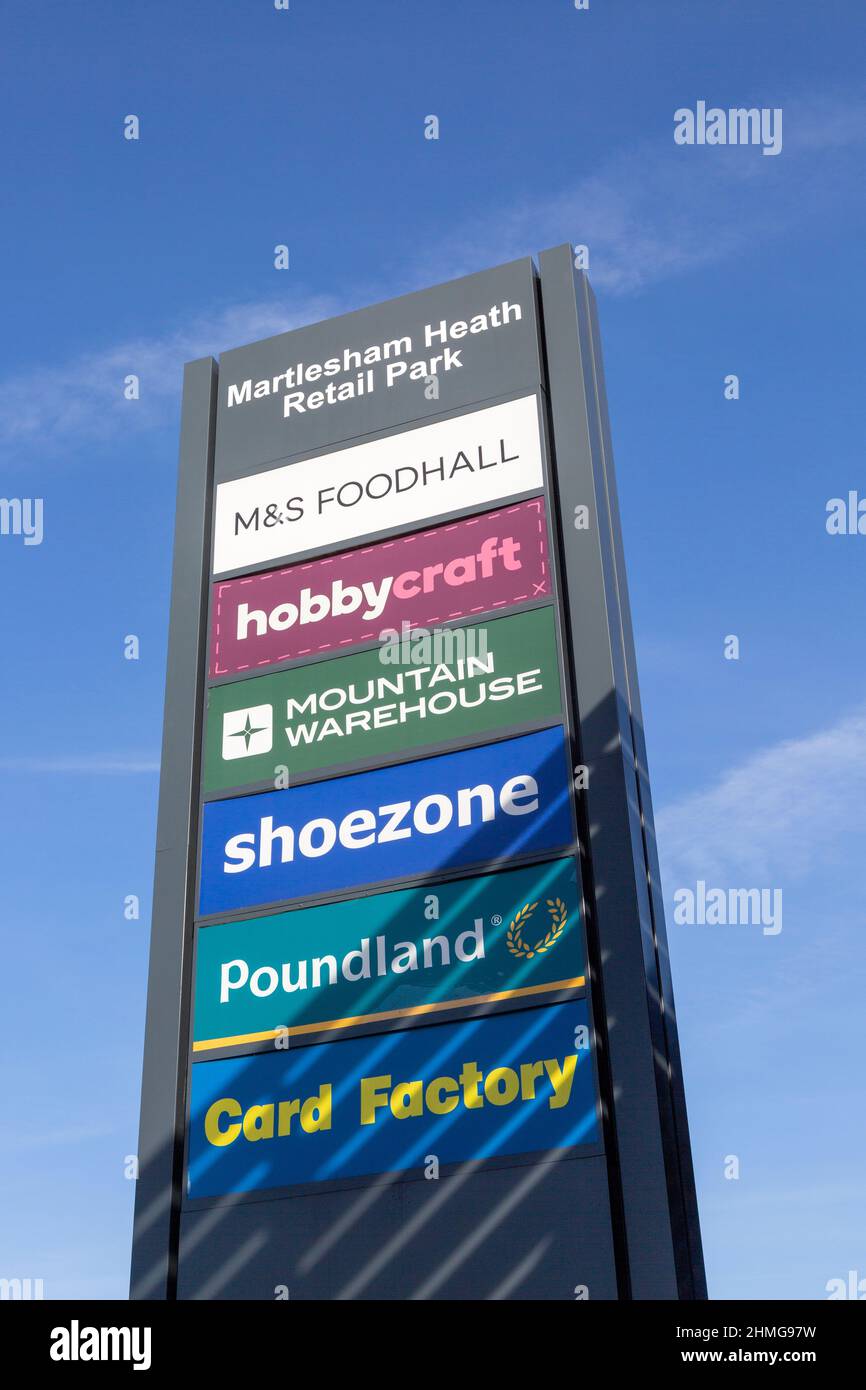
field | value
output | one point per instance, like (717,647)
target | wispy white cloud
(98,766)
(77,1134)
(656,209)
(648,213)
(83,401)
(637,216)
(825,122)
(779,813)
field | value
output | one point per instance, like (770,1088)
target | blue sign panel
(484,804)
(508,1084)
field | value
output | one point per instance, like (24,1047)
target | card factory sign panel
(456,809)
(511,1084)
(471,461)
(420,690)
(408,954)
(477,565)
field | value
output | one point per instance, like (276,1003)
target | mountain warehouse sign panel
(427,689)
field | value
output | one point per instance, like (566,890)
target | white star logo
(247,733)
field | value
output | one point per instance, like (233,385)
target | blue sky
(306,128)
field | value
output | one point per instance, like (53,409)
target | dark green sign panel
(418,691)
(407,955)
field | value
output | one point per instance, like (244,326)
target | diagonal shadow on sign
(312,1243)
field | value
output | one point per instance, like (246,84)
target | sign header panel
(421,690)
(509,1084)
(476,565)
(334,381)
(408,955)
(477,806)
(468,462)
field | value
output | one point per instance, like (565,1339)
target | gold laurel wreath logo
(515,940)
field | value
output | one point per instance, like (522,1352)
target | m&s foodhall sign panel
(404,846)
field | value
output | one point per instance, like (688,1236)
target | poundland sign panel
(511,1084)
(410,954)
(476,565)
(419,690)
(484,804)
(468,462)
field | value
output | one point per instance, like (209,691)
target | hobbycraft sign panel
(477,565)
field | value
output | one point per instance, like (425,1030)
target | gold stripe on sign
(208,1044)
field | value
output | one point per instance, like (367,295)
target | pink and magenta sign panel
(476,565)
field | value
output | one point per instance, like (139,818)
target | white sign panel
(473,460)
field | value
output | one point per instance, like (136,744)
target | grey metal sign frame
(635,1212)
